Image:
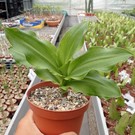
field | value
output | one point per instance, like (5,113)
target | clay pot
(56,122)
(106,111)
(12,108)
(4,114)
(24,87)
(89,14)
(52,23)
(2,130)
(19,97)
(104,102)
(1,95)
(110,123)
(4,107)
(5,122)
(132,93)
(124,90)
(9,96)
(2,101)
(11,101)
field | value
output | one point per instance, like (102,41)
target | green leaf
(120,101)
(114,114)
(97,58)
(32,33)
(96,85)
(20,58)
(38,54)
(45,74)
(122,124)
(133,129)
(71,42)
(132,120)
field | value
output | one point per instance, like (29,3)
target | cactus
(132,132)
(122,124)
(120,101)
(132,120)
(133,77)
(113,112)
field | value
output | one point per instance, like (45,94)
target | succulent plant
(114,114)
(122,124)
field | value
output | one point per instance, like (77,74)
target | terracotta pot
(12,108)
(5,122)
(89,14)
(52,23)
(56,122)
(10,101)
(110,123)
(132,93)
(4,114)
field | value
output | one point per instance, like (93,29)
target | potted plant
(67,76)
(52,21)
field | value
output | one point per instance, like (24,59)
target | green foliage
(41,9)
(120,102)
(132,132)
(132,120)
(129,12)
(62,66)
(114,114)
(133,77)
(122,124)
(113,30)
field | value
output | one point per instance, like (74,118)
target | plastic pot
(56,122)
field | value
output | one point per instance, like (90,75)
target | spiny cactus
(120,101)
(133,129)
(114,114)
(132,120)
(122,124)
(133,77)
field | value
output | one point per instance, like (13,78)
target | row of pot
(124,77)
(13,83)
(42,35)
(104,34)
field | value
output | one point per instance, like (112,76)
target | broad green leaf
(45,74)
(97,58)
(38,54)
(20,58)
(71,42)
(96,85)
(32,33)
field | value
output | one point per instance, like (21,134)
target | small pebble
(52,99)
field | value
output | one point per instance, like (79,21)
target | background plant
(112,30)
(129,12)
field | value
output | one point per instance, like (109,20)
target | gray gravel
(53,99)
